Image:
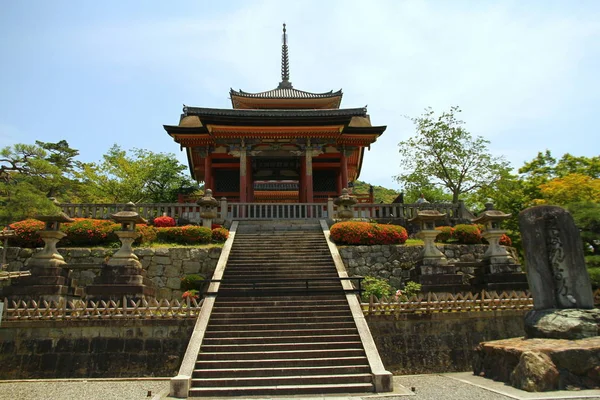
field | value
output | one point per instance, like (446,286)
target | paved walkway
(452,386)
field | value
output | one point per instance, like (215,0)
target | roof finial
(285,63)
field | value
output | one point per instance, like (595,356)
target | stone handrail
(228,210)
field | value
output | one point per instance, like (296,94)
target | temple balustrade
(228,210)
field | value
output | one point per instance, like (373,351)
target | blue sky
(526,74)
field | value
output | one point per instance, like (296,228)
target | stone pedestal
(208,209)
(123,275)
(430,255)
(50,276)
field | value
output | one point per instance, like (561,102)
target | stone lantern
(123,275)
(431,255)
(208,208)
(128,218)
(491,219)
(345,205)
(49,278)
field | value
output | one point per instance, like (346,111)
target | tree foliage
(443,154)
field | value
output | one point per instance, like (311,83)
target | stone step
(273,332)
(236,319)
(270,347)
(284,301)
(280,255)
(282,390)
(296,355)
(281,380)
(279,339)
(283,326)
(281,371)
(304,362)
(277,313)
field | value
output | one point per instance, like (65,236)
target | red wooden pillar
(302,181)
(243,178)
(344,166)
(308,180)
(208,184)
(249,180)
(339,182)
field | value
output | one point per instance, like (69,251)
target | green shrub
(505,240)
(355,233)
(412,288)
(147,234)
(445,233)
(90,232)
(219,235)
(592,261)
(188,234)
(26,233)
(192,282)
(594,277)
(375,286)
(164,222)
(467,234)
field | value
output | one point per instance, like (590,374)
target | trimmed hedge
(189,234)
(446,233)
(356,233)
(467,234)
(92,232)
(164,221)
(220,235)
(26,233)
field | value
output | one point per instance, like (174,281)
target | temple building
(281,145)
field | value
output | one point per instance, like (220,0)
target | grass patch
(414,242)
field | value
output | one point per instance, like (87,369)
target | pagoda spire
(285,63)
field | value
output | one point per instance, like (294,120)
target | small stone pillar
(208,208)
(4,235)
(224,209)
(495,256)
(345,205)
(49,278)
(431,255)
(329,208)
(123,275)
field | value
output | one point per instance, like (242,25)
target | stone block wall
(440,342)
(394,262)
(92,349)
(164,266)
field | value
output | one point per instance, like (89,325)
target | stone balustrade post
(330,208)
(223,210)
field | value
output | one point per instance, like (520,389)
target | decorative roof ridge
(358,111)
(280,90)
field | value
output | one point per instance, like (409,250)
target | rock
(79,253)
(155,270)
(563,323)
(143,252)
(179,253)
(214,253)
(191,267)
(553,250)
(535,373)
(171,271)
(25,253)
(163,260)
(161,251)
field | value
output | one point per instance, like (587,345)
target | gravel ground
(91,389)
(461,386)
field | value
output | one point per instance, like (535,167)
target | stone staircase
(281,323)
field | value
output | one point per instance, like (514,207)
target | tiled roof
(344,112)
(286,93)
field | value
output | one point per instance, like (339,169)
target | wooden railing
(92,310)
(276,211)
(446,302)
(229,210)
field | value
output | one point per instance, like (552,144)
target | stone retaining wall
(413,344)
(440,342)
(165,266)
(92,349)
(394,262)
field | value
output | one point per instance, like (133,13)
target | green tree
(26,179)
(142,176)
(443,154)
